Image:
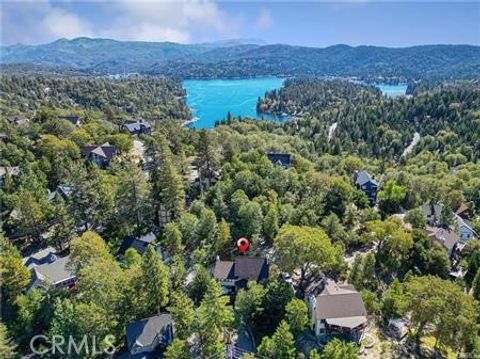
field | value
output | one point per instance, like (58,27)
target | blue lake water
(392,90)
(210,100)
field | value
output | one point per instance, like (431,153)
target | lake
(210,100)
(392,90)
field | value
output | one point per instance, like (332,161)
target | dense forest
(147,97)
(369,124)
(309,218)
(231,60)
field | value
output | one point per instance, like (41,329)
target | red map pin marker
(243,244)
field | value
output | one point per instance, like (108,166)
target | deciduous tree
(307,249)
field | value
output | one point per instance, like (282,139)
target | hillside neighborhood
(249,240)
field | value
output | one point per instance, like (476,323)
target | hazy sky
(311,23)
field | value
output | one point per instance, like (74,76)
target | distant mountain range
(246,58)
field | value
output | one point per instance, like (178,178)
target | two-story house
(337,310)
(367,184)
(234,275)
(100,155)
(138,127)
(49,269)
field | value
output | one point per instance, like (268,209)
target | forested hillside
(369,124)
(148,97)
(195,193)
(230,60)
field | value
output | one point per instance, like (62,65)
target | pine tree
(133,199)
(223,240)
(167,185)
(270,222)
(64,322)
(476,285)
(356,273)
(177,273)
(183,313)
(337,349)
(154,281)
(173,192)
(199,285)
(64,224)
(297,315)
(173,239)
(207,156)
(132,258)
(212,318)
(14,275)
(7,346)
(281,345)
(177,350)
(368,272)
(207,227)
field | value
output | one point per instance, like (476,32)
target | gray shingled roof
(137,125)
(340,301)
(39,257)
(55,271)
(250,267)
(106,150)
(364,177)
(431,209)
(445,236)
(139,244)
(143,332)
(244,267)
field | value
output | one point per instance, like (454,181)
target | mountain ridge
(234,58)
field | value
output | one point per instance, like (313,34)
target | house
(465,210)
(39,257)
(74,120)
(64,191)
(234,275)
(101,155)
(139,127)
(367,184)
(49,269)
(280,159)
(446,237)
(337,311)
(18,120)
(140,244)
(149,335)
(432,212)
(465,228)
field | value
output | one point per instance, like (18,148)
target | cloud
(146,20)
(164,21)
(264,20)
(61,23)
(36,22)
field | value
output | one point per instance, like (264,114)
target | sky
(313,23)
